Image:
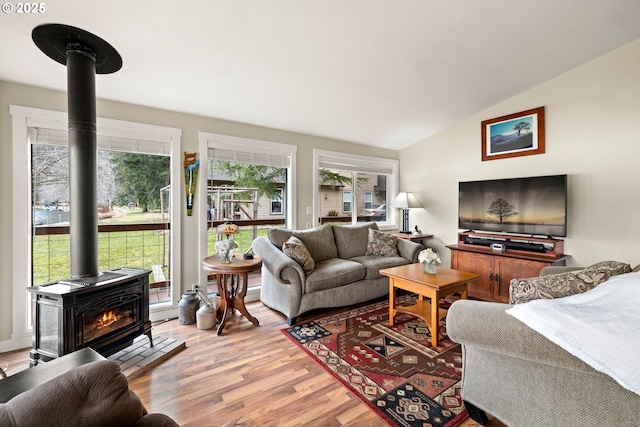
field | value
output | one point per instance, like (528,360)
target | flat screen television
(533,206)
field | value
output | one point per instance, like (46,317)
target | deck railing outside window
(132,245)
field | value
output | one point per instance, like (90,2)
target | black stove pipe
(83,162)
(84,54)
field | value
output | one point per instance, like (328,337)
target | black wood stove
(104,311)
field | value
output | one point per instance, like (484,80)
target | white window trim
(213,140)
(24,117)
(358,163)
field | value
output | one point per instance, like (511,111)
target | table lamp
(227,246)
(405,201)
(227,229)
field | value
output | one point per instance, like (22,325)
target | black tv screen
(533,205)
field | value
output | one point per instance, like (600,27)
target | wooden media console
(522,256)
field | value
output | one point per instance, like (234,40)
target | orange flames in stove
(108,318)
(106,322)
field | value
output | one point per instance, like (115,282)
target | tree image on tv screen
(502,209)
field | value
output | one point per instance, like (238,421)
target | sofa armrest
(557,269)
(409,250)
(276,261)
(96,394)
(486,325)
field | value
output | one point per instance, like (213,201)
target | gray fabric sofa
(96,394)
(524,379)
(343,273)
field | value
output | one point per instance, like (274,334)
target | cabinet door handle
(491,276)
(497,276)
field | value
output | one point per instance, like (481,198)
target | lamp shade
(404,201)
(227,229)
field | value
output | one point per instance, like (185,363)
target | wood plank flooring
(250,376)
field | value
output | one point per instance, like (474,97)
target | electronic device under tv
(531,206)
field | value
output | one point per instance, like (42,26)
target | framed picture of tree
(514,135)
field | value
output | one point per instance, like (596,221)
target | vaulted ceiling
(385,73)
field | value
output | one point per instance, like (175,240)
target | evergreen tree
(139,178)
(336,179)
(264,178)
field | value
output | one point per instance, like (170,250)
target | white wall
(592,134)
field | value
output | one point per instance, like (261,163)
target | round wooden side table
(232,279)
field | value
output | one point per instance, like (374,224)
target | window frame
(23,118)
(354,163)
(280,201)
(347,197)
(211,140)
(368,200)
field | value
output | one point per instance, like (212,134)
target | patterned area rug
(393,369)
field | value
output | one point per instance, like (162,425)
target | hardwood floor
(250,376)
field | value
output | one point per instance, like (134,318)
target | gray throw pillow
(318,240)
(297,251)
(351,240)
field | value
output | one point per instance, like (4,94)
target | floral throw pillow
(564,284)
(297,251)
(381,244)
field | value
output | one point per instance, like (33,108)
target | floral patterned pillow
(564,284)
(381,244)
(297,251)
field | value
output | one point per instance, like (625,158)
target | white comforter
(601,326)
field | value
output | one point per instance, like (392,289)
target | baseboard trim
(15,344)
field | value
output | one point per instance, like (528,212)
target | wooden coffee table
(412,278)
(232,279)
